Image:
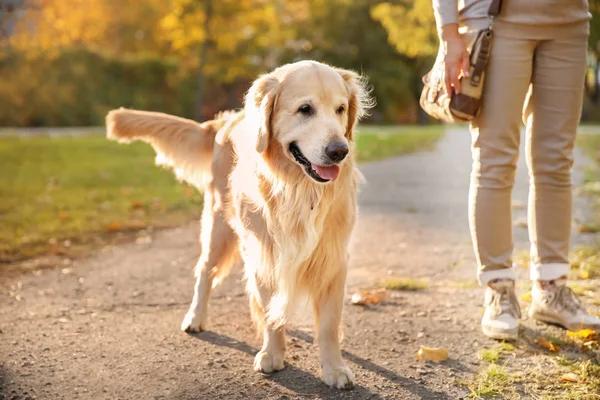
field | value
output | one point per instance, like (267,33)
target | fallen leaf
(548,345)
(113,227)
(570,377)
(136,204)
(585,334)
(369,297)
(432,353)
(63,215)
(526,297)
(583,274)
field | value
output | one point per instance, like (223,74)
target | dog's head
(308,111)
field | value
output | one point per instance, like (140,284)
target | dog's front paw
(268,361)
(193,323)
(339,376)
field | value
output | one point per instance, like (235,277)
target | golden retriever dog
(280,185)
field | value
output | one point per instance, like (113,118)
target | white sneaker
(557,304)
(502,311)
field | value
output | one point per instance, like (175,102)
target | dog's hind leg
(270,358)
(328,312)
(218,253)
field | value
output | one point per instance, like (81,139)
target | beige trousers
(550,73)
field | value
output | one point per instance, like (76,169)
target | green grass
(89,190)
(493,355)
(493,382)
(80,189)
(404,284)
(374,143)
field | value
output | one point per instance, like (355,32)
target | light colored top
(525,19)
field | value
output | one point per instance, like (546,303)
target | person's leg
(495,148)
(552,116)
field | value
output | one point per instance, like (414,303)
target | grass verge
(64,195)
(404,284)
(375,143)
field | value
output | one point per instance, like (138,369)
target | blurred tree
(46,26)
(229,40)
(410,26)
(342,33)
(593,72)
(411,30)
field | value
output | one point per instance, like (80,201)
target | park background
(97,244)
(66,63)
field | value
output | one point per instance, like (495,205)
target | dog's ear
(259,105)
(360,99)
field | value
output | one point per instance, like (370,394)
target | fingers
(454,73)
(448,80)
(466,64)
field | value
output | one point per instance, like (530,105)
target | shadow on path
(306,384)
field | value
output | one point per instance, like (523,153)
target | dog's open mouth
(320,173)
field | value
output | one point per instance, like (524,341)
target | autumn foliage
(67,62)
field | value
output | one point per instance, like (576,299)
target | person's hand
(456,57)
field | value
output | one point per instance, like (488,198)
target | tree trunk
(200,78)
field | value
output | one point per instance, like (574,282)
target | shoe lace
(504,300)
(566,299)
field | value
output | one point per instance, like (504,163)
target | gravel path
(108,327)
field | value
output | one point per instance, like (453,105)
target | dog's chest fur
(297,227)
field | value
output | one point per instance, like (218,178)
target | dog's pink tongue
(331,173)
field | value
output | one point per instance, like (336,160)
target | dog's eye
(306,109)
(341,109)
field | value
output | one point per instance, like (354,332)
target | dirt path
(108,328)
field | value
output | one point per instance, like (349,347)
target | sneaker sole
(548,320)
(512,334)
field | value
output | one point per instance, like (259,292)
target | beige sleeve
(446,12)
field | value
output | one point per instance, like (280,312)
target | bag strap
(485,40)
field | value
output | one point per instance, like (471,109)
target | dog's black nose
(336,151)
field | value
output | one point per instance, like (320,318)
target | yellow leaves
(526,297)
(585,334)
(59,24)
(411,29)
(570,377)
(369,297)
(432,353)
(113,227)
(548,345)
(586,338)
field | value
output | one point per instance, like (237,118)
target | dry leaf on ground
(114,227)
(583,274)
(548,345)
(432,353)
(369,297)
(585,334)
(526,297)
(570,377)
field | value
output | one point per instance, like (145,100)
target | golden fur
(291,231)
